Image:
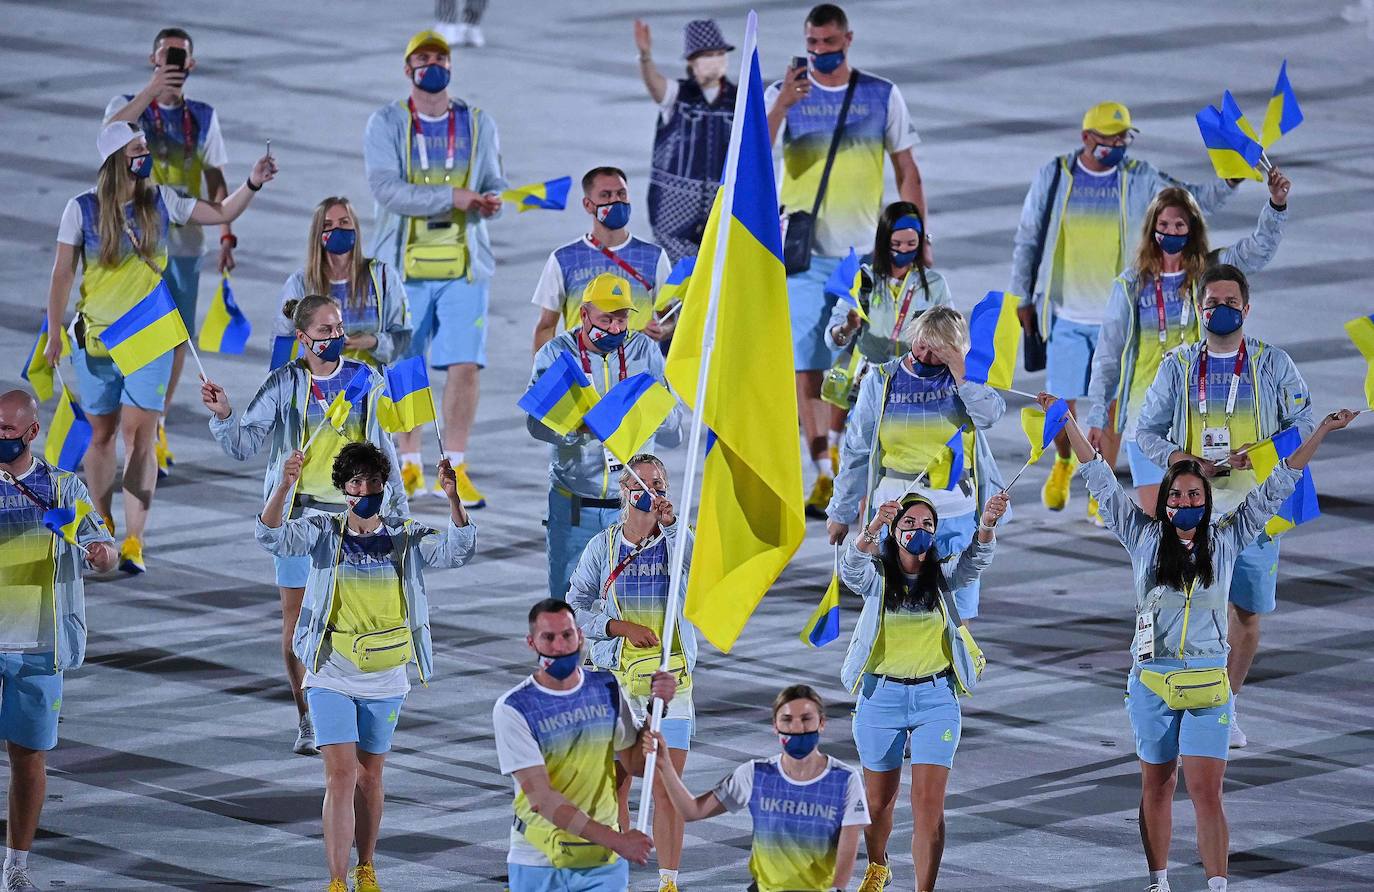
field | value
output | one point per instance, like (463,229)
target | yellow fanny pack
(563,849)
(637,678)
(1188,688)
(375,651)
(436,260)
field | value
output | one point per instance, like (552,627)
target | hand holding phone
(175,57)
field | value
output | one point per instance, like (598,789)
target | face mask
(1186,518)
(1222,320)
(11,449)
(432,78)
(615,215)
(924,369)
(827,62)
(328,349)
(604,340)
(708,69)
(1171,244)
(559,668)
(916,542)
(141,165)
(1109,156)
(340,241)
(365,506)
(799,746)
(903,258)
(643,500)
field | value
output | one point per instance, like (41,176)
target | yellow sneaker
(413,479)
(1094,513)
(131,556)
(337,886)
(835,459)
(365,878)
(666,885)
(1055,494)
(472,497)
(109,524)
(820,497)
(875,878)
(164,456)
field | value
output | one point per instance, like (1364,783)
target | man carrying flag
(42,614)
(583,492)
(608,248)
(1208,401)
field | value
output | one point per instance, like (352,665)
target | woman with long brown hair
(117,232)
(1154,308)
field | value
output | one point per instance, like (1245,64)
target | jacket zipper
(333,590)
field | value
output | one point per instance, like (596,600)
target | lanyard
(587,362)
(901,314)
(616,259)
(1163,317)
(1235,383)
(419,137)
(25,491)
(318,394)
(187,131)
(629,558)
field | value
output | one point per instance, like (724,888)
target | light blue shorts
(450,320)
(339,718)
(566,541)
(1163,734)
(104,388)
(1254,580)
(889,715)
(1143,471)
(810,309)
(183,280)
(1069,358)
(292,572)
(30,700)
(610,878)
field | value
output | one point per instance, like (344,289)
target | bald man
(42,616)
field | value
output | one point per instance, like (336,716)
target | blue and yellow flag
(1232,116)
(675,286)
(627,416)
(284,349)
(1361,331)
(37,371)
(65,522)
(353,393)
(561,397)
(1042,427)
(994,336)
(846,282)
(948,468)
(550,195)
(1226,160)
(1283,113)
(750,522)
(1302,505)
(225,329)
(823,626)
(69,435)
(406,402)
(147,331)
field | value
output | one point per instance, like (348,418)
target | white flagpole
(708,341)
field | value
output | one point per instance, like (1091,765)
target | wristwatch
(230,238)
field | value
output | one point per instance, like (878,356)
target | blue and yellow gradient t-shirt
(317,472)
(27,552)
(796,823)
(1149,349)
(910,644)
(920,416)
(641,591)
(1089,249)
(1228,491)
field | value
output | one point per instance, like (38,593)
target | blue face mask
(604,340)
(141,166)
(1171,244)
(366,506)
(924,369)
(328,349)
(644,501)
(1109,156)
(432,78)
(1222,320)
(340,241)
(559,668)
(916,542)
(11,449)
(1186,518)
(799,746)
(615,215)
(903,258)
(827,62)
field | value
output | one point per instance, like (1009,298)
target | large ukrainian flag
(750,521)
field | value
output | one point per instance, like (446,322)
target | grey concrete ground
(174,770)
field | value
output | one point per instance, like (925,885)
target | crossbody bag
(801,226)
(1188,688)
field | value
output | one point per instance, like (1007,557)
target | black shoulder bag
(1033,344)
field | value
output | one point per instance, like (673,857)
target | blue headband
(908,222)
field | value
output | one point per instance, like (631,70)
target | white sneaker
(17,880)
(453,32)
(1157,887)
(305,738)
(1238,738)
(474,37)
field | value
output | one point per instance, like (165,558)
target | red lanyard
(187,129)
(587,362)
(1163,317)
(419,137)
(629,558)
(615,258)
(1202,382)
(901,314)
(31,495)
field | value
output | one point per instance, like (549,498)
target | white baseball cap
(115,136)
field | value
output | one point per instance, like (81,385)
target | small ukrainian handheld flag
(550,195)
(1302,505)
(948,468)
(342,405)
(406,402)
(65,522)
(147,331)
(284,349)
(846,281)
(1042,427)
(823,626)
(1228,163)
(1361,331)
(37,371)
(627,416)
(675,286)
(225,329)
(994,338)
(69,435)
(1283,113)
(561,397)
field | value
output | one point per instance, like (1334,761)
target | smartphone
(799,62)
(269,148)
(176,57)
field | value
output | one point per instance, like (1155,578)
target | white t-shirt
(179,210)
(899,133)
(551,293)
(339,674)
(665,108)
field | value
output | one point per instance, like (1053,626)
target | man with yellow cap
(434,167)
(583,489)
(1071,243)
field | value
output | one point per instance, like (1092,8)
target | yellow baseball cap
(608,293)
(426,38)
(1108,118)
